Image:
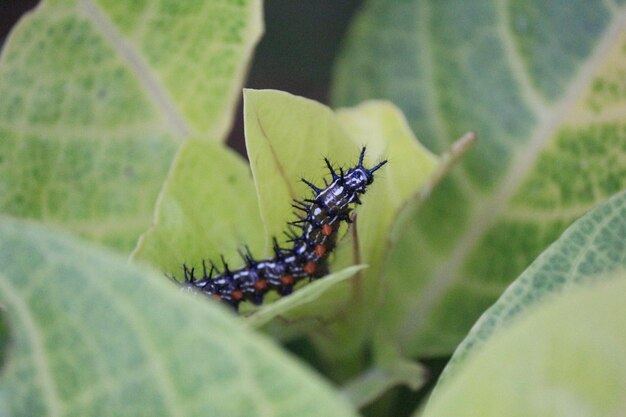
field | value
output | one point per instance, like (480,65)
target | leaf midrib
(488,212)
(155,92)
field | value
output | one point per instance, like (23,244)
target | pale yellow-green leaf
(541,83)
(382,125)
(564,358)
(97,95)
(287,138)
(207,208)
(91,335)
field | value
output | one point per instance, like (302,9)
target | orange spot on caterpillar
(310,268)
(236,295)
(286,280)
(327,230)
(260,285)
(320,250)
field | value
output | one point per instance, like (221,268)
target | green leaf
(96,96)
(92,335)
(589,250)
(287,138)
(4,340)
(564,358)
(548,106)
(207,206)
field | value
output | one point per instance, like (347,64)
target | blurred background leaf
(96,97)
(95,336)
(591,249)
(542,85)
(565,357)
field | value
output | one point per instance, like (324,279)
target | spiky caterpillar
(311,243)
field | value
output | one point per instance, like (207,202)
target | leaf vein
(484,216)
(153,87)
(39,355)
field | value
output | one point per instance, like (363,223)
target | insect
(312,237)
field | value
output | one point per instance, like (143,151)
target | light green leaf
(564,358)
(96,96)
(207,206)
(590,249)
(548,107)
(92,335)
(287,138)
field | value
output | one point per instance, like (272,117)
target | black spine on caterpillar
(312,237)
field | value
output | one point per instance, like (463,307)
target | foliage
(566,358)
(593,248)
(105,103)
(551,343)
(94,336)
(96,97)
(541,83)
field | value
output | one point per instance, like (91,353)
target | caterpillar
(312,237)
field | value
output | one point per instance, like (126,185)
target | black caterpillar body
(312,236)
